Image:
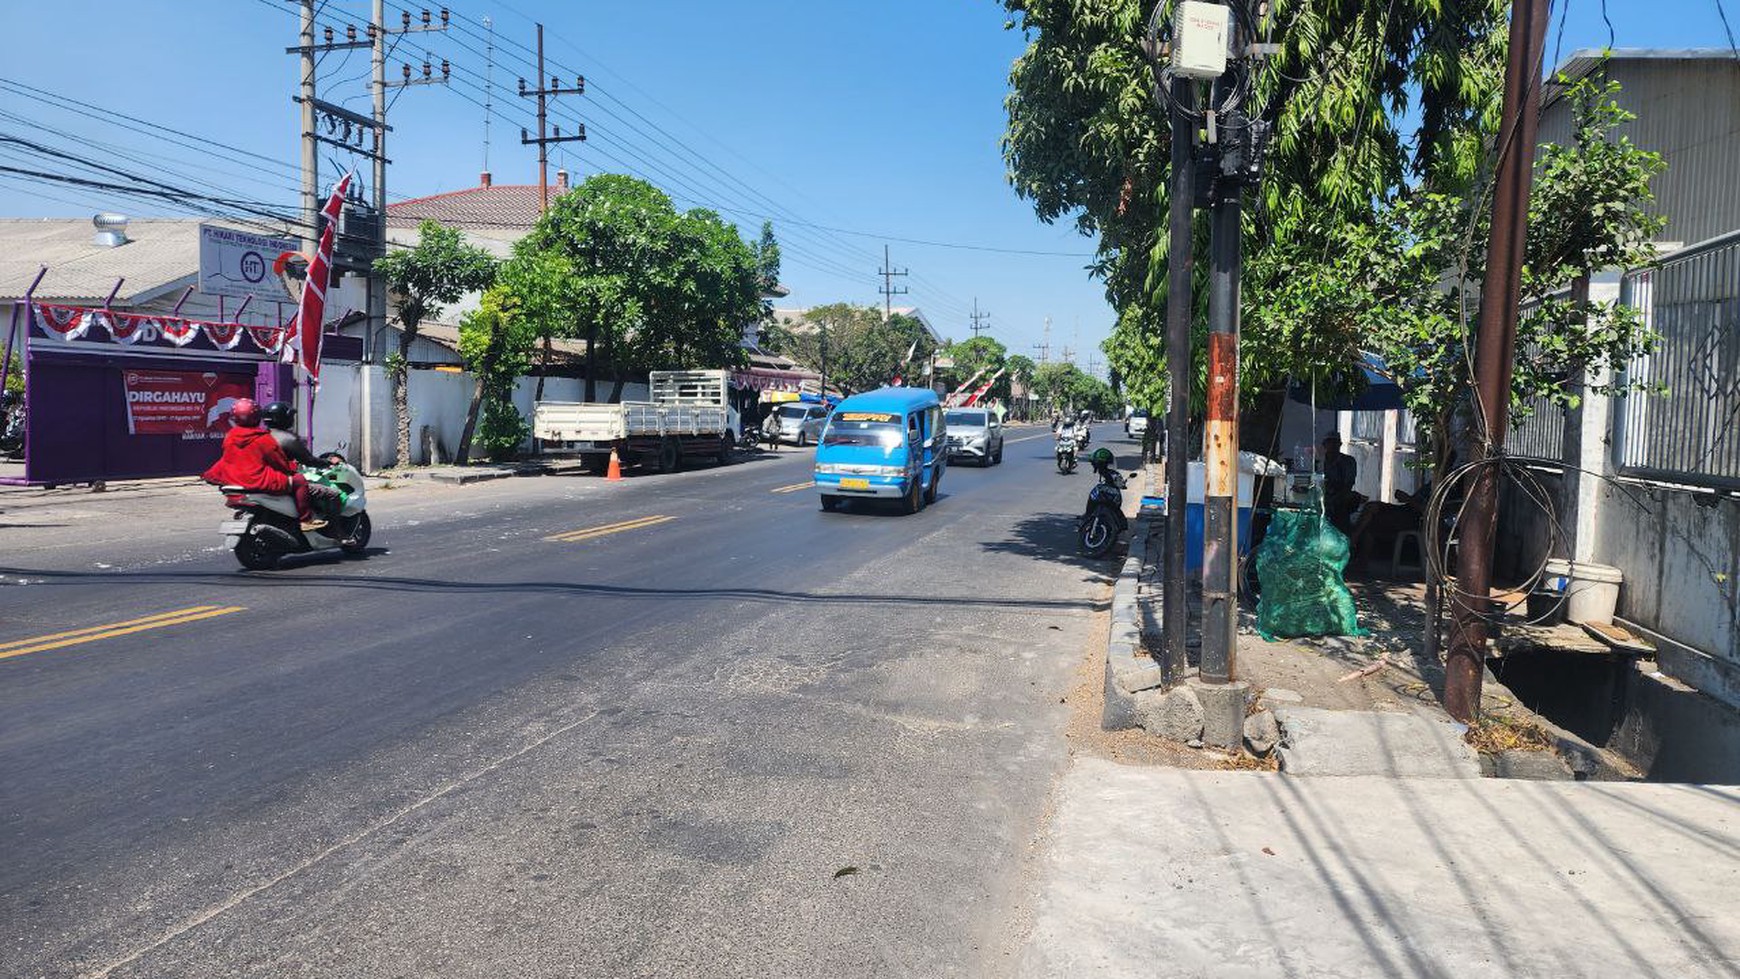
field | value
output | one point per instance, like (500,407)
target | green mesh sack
(1299,565)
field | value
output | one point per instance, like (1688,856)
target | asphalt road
(707,730)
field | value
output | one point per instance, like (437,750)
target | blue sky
(882,119)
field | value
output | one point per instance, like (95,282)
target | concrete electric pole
(545,137)
(889,291)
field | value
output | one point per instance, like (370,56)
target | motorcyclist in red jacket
(253,460)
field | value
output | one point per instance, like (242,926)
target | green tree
(647,287)
(424,279)
(860,350)
(767,259)
(1355,84)
(980,353)
(497,344)
(1406,285)
(1021,370)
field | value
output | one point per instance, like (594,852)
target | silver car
(801,424)
(974,434)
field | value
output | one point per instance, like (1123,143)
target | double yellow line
(39,644)
(587,533)
(793,488)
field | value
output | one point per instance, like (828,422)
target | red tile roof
(493,206)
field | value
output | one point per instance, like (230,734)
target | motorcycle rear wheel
(255,554)
(1098,534)
(358,541)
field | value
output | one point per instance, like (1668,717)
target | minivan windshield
(864,428)
(795,412)
(965,419)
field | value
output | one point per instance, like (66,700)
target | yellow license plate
(858,484)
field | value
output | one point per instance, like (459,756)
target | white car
(1136,425)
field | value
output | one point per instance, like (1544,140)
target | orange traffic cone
(615,470)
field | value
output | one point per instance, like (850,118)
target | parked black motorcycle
(1104,519)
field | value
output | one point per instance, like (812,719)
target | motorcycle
(1083,435)
(1066,452)
(1104,519)
(264,527)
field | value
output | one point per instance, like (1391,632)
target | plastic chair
(1419,553)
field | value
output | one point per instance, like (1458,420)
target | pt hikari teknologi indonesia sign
(189,404)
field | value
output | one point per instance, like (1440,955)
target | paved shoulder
(1181,873)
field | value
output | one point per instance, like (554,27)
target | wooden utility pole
(1494,355)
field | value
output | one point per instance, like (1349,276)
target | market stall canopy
(1374,389)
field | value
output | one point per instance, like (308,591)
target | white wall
(439,400)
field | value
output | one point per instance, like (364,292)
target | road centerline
(587,533)
(75,637)
(793,488)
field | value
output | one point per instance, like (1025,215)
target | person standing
(1339,473)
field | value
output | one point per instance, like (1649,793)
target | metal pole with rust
(1220,452)
(1495,351)
(1179,309)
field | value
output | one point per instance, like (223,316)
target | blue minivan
(889,444)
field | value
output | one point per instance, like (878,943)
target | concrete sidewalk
(1167,872)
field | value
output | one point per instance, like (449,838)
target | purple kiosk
(117,395)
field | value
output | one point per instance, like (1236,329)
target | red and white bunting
(178,331)
(267,338)
(65,322)
(224,336)
(123,327)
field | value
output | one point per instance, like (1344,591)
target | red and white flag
(311,310)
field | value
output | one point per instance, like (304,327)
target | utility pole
(1220,452)
(888,289)
(1494,356)
(978,318)
(543,93)
(310,155)
(1180,305)
(1044,347)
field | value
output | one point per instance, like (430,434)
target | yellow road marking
(587,533)
(38,644)
(793,488)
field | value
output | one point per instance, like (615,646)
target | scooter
(1066,451)
(264,527)
(1104,519)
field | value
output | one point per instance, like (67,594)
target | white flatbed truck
(689,416)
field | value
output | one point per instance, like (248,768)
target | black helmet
(278,415)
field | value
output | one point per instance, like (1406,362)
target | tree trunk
(543,369)
(490,351)
(592,364)
(402,394)
(616,391)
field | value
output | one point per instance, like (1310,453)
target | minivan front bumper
(886,487)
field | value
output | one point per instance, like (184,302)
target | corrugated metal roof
(159,252)
(1687,105)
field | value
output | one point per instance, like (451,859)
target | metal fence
(1541,435)
(1691,434)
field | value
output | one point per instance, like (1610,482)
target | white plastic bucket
(1591,590)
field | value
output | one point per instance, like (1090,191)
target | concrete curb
(1128,672)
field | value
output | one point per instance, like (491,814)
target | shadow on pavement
(1051,537)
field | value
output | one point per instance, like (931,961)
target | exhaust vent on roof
(111,230)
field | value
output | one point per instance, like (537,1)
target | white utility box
(1199,39)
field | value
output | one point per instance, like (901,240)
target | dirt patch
(1496,734)
(1087,702)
